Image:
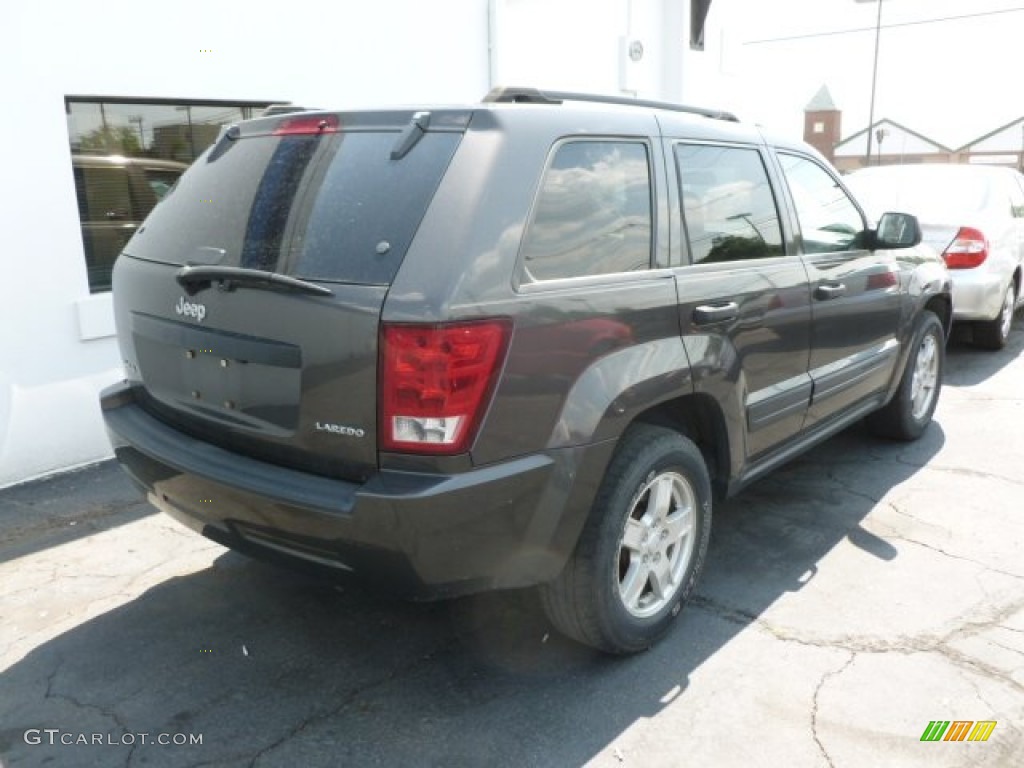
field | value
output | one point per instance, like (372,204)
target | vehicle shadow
(275,669)
(47,513)
(967,365)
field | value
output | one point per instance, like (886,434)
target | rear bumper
(977,294)
(417,535)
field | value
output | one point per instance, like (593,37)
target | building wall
(56,340)
(56,343)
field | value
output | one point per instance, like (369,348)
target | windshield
(331,208)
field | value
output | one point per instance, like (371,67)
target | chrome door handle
(829,291)
(706,314)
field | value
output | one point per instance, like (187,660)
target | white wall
(56,350)
(582,45)
(56,343)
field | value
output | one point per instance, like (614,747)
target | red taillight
(293,126)
(435,383)
(969,249)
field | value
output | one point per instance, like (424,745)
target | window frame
(523,284)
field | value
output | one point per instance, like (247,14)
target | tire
(642,548)
(993,334)
(911,408)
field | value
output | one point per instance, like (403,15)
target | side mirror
(897,230)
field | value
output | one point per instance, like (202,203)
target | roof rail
(515,95)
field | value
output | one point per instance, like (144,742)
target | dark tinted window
(829,221)
(104,194)
(728,206)
(334,208)
(593,214)
(108,208)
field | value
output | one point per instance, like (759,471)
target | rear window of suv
(334,208)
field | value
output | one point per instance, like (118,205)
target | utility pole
(874,77)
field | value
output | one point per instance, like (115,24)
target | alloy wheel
(926,376)
(657,544)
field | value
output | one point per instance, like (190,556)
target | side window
(727,201)
(829,221)
(593,213)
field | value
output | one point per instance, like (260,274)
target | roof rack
(514,95)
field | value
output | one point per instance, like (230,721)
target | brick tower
(823,123)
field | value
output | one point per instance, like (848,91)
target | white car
(974,216)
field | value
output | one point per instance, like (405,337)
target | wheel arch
(942,306)
(700,418)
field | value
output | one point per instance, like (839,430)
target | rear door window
(331,208)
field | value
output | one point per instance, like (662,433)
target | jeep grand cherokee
(519,343)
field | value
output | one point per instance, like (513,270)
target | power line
(919,22)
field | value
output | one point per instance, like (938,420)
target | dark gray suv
(520,343)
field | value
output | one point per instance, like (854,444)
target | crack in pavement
(78,703)
(1018,651)
(975,473)
(349,699)
(940,645)
(939,550)
(972,473)
(814,706)
(896,508)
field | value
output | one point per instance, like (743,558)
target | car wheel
(641,549)
(993,334)
(911,408)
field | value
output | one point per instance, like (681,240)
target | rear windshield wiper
(410,135)
(195,279)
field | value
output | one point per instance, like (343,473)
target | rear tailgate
(281,372)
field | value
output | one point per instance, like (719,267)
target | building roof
(822,102)
(899,139)
(1007,138)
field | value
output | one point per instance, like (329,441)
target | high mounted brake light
(435,383)
(317,124)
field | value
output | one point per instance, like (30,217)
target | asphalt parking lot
(850,599)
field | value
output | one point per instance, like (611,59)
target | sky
(951,80)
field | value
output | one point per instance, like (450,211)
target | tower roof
(822,102)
